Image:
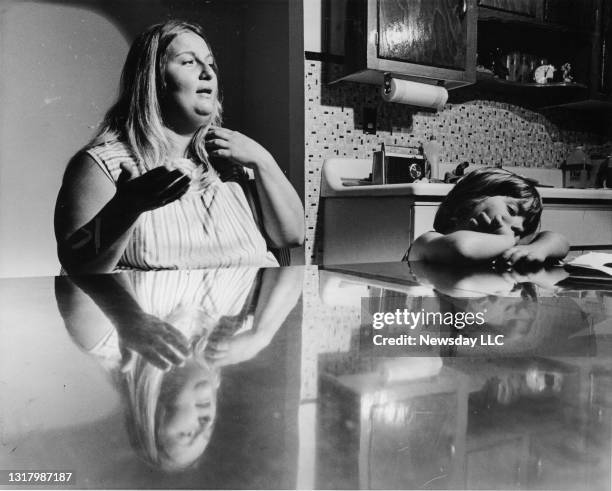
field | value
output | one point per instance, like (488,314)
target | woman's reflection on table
(164,338)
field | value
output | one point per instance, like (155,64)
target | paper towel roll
(414,93)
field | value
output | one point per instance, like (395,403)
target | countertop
(276,379)
(337,172)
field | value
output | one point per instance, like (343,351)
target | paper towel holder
(387,90)
(387,83)
(387,76)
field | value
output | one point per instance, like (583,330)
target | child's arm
(460,247)
(545,246)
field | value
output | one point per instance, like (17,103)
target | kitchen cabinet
(601,87)
(551,14)
(578,14)
(585,225)
(522,7)
(553,32)
(430,41)
(367,229)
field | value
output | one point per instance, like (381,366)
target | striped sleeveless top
(192,301)
(212,226)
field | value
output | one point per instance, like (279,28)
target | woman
(144,194)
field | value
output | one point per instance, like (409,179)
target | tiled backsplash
(480,132)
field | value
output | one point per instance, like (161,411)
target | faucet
(458,173)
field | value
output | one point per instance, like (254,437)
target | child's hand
(236,147)
(528,254)
(496,225)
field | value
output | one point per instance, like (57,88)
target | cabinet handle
(462,8)
(604,66)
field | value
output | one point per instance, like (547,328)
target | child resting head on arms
(489,214)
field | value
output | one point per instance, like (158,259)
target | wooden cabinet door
(426,32)
(604,49)
(572,13)
(524,7)
(431,41)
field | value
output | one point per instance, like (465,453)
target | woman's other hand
(160,343)
(282,211)
(236,147)
(236,349)
(153,189)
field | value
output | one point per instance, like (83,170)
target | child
(490,214)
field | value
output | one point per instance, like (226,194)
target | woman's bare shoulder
(84,175)
(85,189)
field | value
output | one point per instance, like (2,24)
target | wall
(274,72)
(482,130)
(59,66)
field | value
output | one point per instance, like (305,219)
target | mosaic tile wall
(480,132)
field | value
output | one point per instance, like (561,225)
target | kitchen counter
(337,173)
(365,223)
(242,378)
(439,190)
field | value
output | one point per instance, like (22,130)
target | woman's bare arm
(280,291)
(94,217)
(283,214)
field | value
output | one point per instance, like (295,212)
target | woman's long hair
(143,384)
(136,116)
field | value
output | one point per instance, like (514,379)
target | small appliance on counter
(576,169)
(403,165)
(583,171)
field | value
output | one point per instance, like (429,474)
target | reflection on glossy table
(271,379)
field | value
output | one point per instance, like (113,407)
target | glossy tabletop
(368,376)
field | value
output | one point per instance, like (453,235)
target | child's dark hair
(481,184)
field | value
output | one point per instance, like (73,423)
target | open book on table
(591,267)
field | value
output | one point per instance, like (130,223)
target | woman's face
(188,409)
(190,98)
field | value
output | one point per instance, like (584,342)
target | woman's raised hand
(281,209)
(236,147)
(160,343)
(153,189)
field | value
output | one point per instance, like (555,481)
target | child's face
(511,211)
